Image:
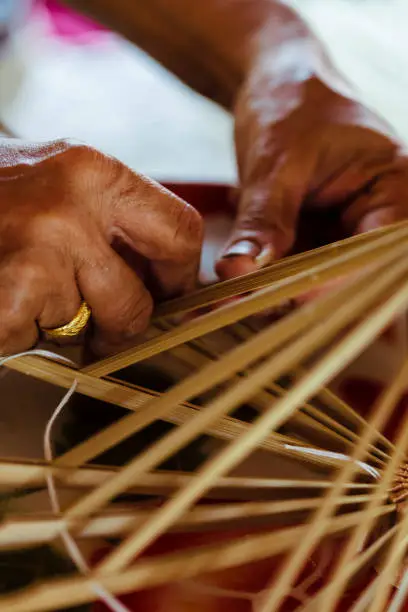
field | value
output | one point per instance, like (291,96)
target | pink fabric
(68,24)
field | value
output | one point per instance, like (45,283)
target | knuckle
(26,272)
(188,236)
(82,166)
(50,226)
(133,315)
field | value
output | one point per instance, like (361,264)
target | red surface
(179,597)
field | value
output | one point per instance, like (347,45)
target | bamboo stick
(314,338)
(359,536)
(353,567)
(266,342)
(29,530)
(278,270)
(55,594)
(260,300)
(275,593)
(23,474)
(327,367)
(397,552)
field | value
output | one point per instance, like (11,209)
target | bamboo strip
(167,568)
(305,420)
(134,398)
(266,342)
(359,536)
(273,367)
(338,405)
(327,367)
(264,399)
(22,474)
(276,271)
(329,426)
(308,416)
(357,563)
(262,299)
(395,558)
(276,592)
(29,530)
(314,418)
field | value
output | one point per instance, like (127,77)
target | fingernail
(265,256)
(243,247)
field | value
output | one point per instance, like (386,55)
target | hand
(75,224)
(306,146)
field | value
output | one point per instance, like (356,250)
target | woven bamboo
(348,481)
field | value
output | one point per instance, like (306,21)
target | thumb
(266,223)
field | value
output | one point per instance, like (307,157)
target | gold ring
(74,327)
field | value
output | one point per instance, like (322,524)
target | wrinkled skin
(307,146)
(76,224)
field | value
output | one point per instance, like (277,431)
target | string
(71,546)
(332,455)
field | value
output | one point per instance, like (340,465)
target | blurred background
(59,76)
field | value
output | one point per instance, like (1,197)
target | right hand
(76,224)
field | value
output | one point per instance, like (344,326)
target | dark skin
(75,223)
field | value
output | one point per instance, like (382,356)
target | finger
(384,203)
(160,226)
(265,227)
(120,303)
(33,294)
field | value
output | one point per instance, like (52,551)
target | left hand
(304,145)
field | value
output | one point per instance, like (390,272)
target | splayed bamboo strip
(379,585)
(359,536)
(330,425)
(343,409)
(357,563)
(266,342)
(263,399)
(27,475)
(134,398)
(323,332)
(341,425)
(395,557)
(304,420)
(170,567)
(400,596)
(327,367)
(278,270)
(275,594)
(397,552)
(28,530)
(314,418)
(265,298)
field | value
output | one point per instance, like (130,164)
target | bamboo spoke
(265,298)
(277,271)
(170,567)
(274,367)
(230,360)
(327,367)
(315,532)
(27,530)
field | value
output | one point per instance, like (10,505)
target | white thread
(317,452)
(71,546)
